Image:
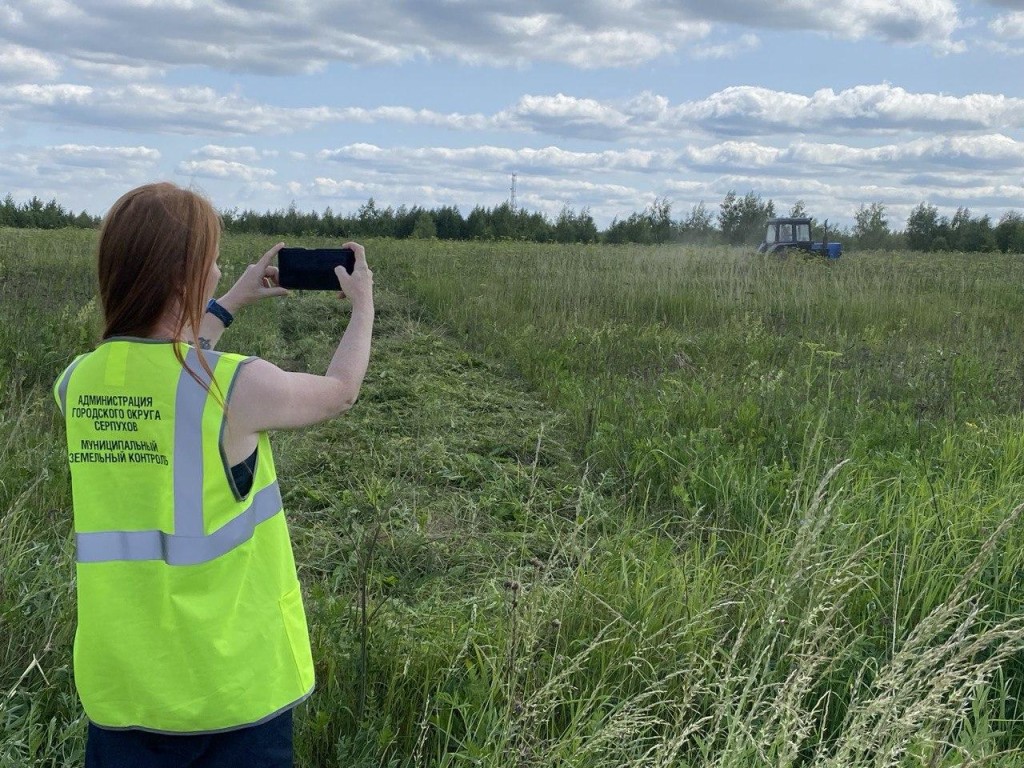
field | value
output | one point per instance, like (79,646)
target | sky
(605,105)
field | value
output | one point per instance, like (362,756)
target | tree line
(739,220)
(502,222)
(35,214)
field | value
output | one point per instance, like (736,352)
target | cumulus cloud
(196,110)
(106,67)
(71,170)
(736,111)
(564,115)
(994,154)
(933,22)
(237,154)
(155,109)
(1009,26)
(91,156)
(747,110)
(753,111)
(502,159)
(18,63)
(224,169)
(279,37)
(727,50)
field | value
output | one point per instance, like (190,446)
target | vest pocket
(294,617)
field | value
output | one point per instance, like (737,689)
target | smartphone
(312,269)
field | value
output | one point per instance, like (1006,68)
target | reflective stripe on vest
(175,549)
(188,545)
(62,385)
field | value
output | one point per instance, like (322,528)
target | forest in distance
(739,220)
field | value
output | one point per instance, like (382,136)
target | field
(600,506)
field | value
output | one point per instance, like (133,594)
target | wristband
(220,313)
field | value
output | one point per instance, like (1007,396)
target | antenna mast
(512,192)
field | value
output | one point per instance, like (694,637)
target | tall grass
(600,507)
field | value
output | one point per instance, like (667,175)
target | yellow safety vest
(190,618)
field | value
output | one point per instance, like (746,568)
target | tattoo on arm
(205,343)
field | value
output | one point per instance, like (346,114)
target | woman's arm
(266,397)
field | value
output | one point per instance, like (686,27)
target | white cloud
(753,111)
(728,50)
(105,67)
(20,63)
(732,154)
(197,110)
(94,156)
(734,111)
(263,186)
(325,186)
(567,115)
(75,171)
(501,159)
(279,37)
(224,169)
(239,154)
(1009,26)
(553,36)
(155,109)
(995,155)
(931,22)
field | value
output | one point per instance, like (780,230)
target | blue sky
(599,104)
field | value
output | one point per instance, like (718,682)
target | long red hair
(157,245)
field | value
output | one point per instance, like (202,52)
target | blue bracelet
(220,313)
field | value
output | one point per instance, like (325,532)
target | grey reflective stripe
(63,388)
(189,401)
(177,549)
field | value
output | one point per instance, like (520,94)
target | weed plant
(599,507)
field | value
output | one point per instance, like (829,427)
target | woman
(191,646)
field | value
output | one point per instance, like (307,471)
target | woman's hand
(357,287)
(259,281)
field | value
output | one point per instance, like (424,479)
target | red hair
(156,248)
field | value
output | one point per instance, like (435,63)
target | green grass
(600,507)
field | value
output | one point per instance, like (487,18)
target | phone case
(312,269)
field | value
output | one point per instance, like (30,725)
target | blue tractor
(784,236)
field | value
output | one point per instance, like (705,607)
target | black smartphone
(312,269)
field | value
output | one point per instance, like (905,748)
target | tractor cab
(783,235)
(790,231)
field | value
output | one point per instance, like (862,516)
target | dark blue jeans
(261,746)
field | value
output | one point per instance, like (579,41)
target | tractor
(783,236)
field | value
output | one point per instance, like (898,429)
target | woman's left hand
(259,281)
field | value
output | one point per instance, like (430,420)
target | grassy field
(600,506)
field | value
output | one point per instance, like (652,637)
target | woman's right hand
(357,287)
